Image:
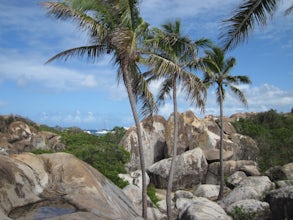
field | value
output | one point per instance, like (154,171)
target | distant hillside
(274,134)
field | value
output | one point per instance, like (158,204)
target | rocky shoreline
(61,184)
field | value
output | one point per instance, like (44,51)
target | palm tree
(115,28)
(216,70)
(170,56)
(245,17)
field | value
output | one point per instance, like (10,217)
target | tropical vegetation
(217,71)
(101,152)
(273,133)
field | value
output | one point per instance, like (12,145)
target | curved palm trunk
(139,137)
(221,192)
(171,172)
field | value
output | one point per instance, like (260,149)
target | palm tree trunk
(171,172)
(221,192)
(139,137)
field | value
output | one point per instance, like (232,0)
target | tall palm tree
(245,17)
(170,57)
(115,28)
(216,70)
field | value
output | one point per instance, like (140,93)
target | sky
(87,95)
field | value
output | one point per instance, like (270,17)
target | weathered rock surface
(281,202)
(245,148)
(235,179)
(27,179)
(135,194)
(154,143)
(193,133)
(190,170)
(261,184)
(208,191)
(135,178)
(155,214)
(239,193)
(200,208)
(18,137)
(253,187)
(231,167)
(283,183)
(213,155)
(288,171)
(250,209)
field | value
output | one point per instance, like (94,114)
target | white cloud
(89,81)
(26,70)
(261,98)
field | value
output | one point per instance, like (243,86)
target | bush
(151,191)
(101,152)
(239,214)
(273,133)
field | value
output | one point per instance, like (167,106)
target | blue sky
(77,93)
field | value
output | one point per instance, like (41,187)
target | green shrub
(42,151)
(101,152)
(151,191)
(273,133)
(239,214)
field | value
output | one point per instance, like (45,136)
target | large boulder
(288,171)
(245,148)
(153,142)
(135,178)
(213,155)
(239,193)
(200,208)
(208,191)
(18,136)
(249,167)
(262,184)
(249,209)
(281,202)
(194,132)
(234,180)
(190,169)
(253,187)
(29,183)
(284,172)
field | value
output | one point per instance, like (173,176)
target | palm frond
(289,10)
(162,65)
(235,30)
(243,79)
(195,89)
(165,90)
(228,65)
(92,52)
(239,94)
(144,96)
(64,12)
